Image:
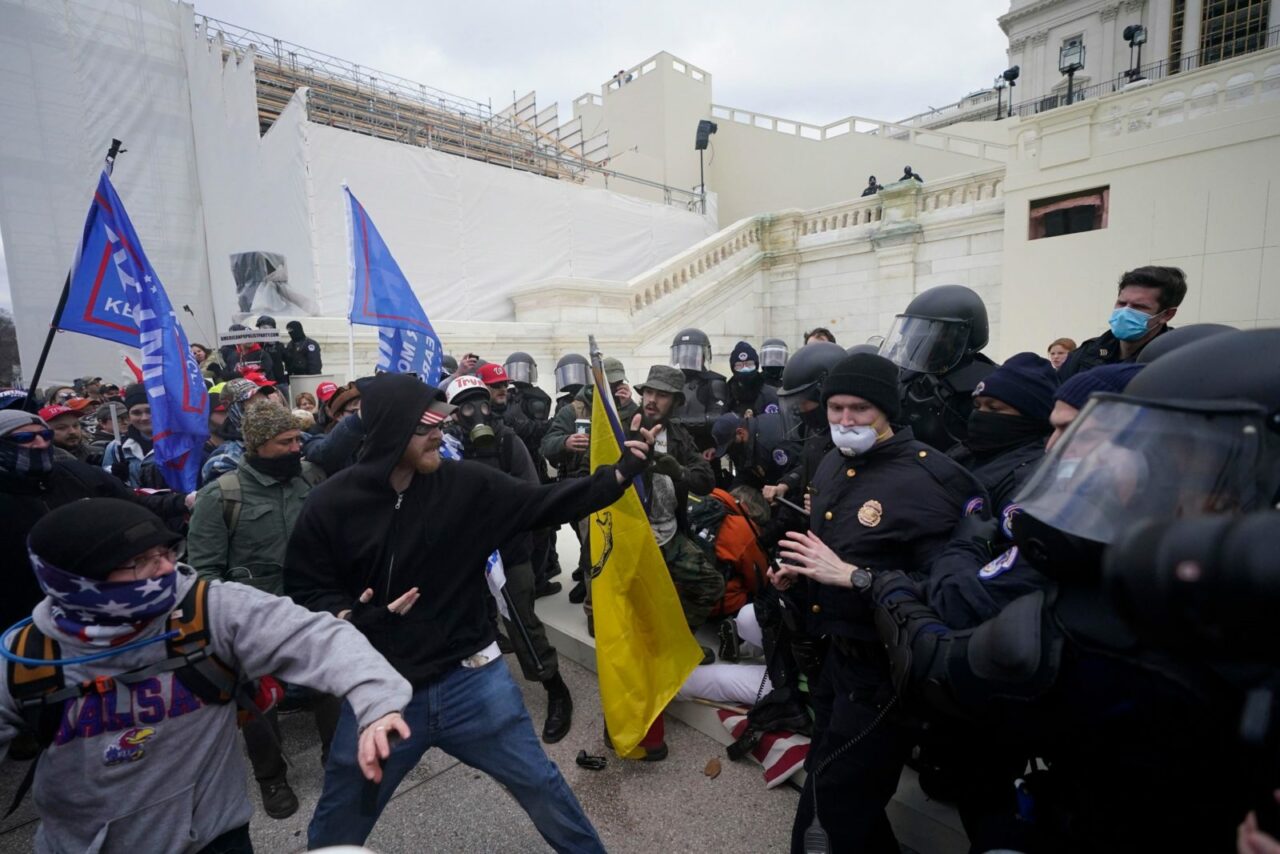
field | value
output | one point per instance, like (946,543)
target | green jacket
(572,463)
(254,552)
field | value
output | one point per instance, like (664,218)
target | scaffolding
(348,96)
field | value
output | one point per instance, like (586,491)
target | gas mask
(473,417)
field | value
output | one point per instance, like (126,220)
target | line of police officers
(1051,721)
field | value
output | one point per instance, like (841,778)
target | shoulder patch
(311,347)
(999,566)
(974,505)
(771,408)
(1006,519)
(780,456)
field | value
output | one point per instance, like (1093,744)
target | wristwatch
(860,579)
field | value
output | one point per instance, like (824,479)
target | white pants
(731,683)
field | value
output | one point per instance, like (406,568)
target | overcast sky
(816,62)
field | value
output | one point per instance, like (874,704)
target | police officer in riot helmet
(573,371)
(773,359)
(525,395)
(1142,738)
(705,391)
(936,342)
(804,421)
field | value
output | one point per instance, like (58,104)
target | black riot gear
(573,371)
(521,369)
(936,341)
(802,381)
(691,350)
(1171,340)
(773,359)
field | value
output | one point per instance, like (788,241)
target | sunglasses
(427,429)
(25,436)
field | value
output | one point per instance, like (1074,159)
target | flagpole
(31,405)
(351,352)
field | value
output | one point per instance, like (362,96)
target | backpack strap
(34,687)
(204,674)
(232,499)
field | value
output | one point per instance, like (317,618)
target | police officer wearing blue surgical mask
(1147,299)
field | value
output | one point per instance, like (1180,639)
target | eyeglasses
(154,559)
(26,436)
(427,429)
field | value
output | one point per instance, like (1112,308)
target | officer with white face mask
(880,500)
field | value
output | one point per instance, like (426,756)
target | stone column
(1041,85)
(1112,42)
(780,271)
(1194,10)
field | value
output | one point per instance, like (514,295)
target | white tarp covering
(200,184)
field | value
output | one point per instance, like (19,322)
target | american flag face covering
(104,613)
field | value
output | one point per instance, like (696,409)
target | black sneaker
(278,799)
(578,594)
(708,657)
(730,645)
(547,588)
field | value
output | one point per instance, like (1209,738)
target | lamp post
(705,129)
(1010,75)
(999,86)
(1136,36)
(1071,60)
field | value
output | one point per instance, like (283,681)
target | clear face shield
(773,356)
(690,357)
(522,372)
(570,375)
(1125,460)
(800,407)
(926,345)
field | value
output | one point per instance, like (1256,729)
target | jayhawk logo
(128,747)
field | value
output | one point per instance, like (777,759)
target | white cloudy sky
(816,61)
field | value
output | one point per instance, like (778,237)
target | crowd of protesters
(905,578)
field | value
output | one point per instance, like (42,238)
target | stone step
(921,824)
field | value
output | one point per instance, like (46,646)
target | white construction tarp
(202,186)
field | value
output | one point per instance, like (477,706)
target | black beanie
(93,536)
(135,395)
(868,376)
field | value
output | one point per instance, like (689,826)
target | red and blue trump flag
(116,294)
(381,297)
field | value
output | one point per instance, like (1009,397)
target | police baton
(791,504)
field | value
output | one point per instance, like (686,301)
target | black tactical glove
(630,466)
(670,466)
(120,468)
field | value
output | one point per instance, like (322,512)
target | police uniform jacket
(1002,474)
(891,508)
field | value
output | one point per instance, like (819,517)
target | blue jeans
(477,716)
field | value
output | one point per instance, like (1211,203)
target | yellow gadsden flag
(644,649)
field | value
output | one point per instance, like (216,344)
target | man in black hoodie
(402,524)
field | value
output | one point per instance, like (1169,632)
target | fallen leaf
(713,769)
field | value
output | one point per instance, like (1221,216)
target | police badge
(869,514)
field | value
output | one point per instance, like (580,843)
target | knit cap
(264,422)
(1112,378)
(14,419)
(868,376)
(743,352)
(135,395)
(1025,381)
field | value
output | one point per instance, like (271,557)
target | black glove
(670,466)
(630,466)
(120,468)
(365,616)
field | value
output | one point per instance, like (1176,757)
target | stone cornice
(1133,5)
(1010,18)
(1040,37)
(1109,13)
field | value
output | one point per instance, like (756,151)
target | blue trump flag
(381,296)
(116,294)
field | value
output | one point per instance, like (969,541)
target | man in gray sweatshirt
(140,761)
